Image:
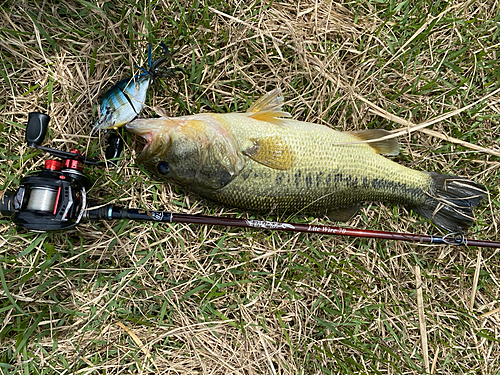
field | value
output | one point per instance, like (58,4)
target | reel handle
(36,128)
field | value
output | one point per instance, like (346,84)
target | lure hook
(126,99)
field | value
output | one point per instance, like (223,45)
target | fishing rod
(111,212)
(55,198)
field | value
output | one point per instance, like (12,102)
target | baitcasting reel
(55,197)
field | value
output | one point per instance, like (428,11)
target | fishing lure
(125,100)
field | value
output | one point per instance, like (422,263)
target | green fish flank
(263,161)
(328,173)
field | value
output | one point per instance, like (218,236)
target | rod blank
(111,212)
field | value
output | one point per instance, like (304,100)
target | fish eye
(162,167)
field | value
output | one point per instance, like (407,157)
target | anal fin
(343,214)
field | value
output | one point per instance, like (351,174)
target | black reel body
(54,198)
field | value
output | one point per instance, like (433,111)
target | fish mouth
(150,145)
(143,137)
(141,143)
(155,134)
(146,147)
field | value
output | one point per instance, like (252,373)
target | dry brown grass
(125,297)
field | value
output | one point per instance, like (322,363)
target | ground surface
(126,297)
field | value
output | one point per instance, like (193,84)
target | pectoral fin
(268,107)
(385,146)
(272,152)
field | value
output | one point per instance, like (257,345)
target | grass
(127,297)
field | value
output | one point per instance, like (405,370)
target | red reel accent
(72,163)
(53,165)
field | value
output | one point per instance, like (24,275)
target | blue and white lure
(125,100)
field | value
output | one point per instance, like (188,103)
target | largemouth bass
(262,160)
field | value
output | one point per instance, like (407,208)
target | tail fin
(450,205)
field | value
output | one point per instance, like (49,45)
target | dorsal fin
(268,107)
(385,147)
